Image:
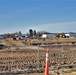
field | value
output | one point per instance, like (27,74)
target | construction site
(28,56)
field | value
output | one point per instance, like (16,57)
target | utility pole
(38,59)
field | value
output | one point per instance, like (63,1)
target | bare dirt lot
(74,73)
(21,56)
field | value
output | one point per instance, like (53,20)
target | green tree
(34,32)
(31,32)
(19,32)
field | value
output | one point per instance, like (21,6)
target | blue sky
(52,16)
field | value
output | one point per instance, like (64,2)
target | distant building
(44,36)
(24,35)
(48,35)
(16,37)
(67,35)
(19,37)
(72,35)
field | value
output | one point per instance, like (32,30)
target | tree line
(34,33)
(31,33)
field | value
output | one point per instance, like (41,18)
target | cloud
(52,27)
(57,27)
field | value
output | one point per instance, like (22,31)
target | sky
(40,15)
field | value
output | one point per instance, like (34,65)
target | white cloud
(52,27)
(58,27)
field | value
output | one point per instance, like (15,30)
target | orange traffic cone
(47,63)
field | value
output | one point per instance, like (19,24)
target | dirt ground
(33,74)
(74,73)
